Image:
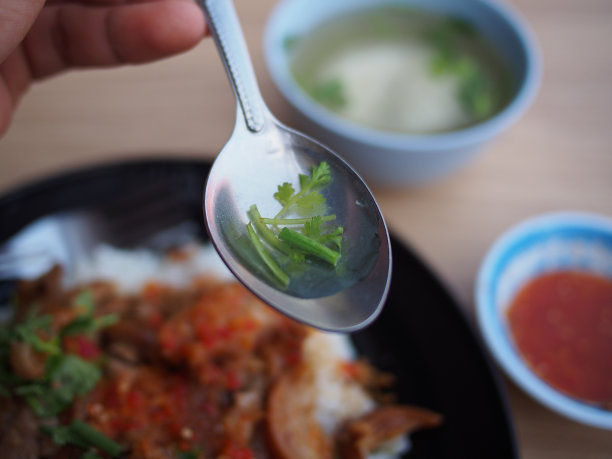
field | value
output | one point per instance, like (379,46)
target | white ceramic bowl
(576,241)
(402,159)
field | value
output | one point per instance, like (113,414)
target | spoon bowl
(263,153)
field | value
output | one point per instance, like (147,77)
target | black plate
(421,336)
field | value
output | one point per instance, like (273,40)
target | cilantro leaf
(88,324)
(329,93)
(85,301)
(312,228)
(290,42)
(308,199)
(475,93)
(66,377)
(476,96)
(91,454)
(80,434)
(85,322)
(333,239)
(321,175)
(187,454)
(309,203)
(29,332)
(284,193)
(64,435)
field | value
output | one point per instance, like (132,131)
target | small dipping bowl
(559,241)
(398,159)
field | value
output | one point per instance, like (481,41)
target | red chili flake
(82,346)
(179,390)
(135,400)
(208,408)
(293,357)
(250,324)
(169,341)
(155,320)
(232,381)
(233,451)
(350,369)
(206,334)
(110,397)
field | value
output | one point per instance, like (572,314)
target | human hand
(38,38)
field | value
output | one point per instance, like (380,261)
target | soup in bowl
(406,90)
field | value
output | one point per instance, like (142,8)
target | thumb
(16,18)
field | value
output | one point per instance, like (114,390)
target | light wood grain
(558,156)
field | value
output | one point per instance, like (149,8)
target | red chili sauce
(562,325)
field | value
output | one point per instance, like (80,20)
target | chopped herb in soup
(402,70)
(283,243)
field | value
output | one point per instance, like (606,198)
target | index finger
(75,35)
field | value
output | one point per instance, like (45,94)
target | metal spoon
(261,154)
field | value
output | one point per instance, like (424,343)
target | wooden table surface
(557,157)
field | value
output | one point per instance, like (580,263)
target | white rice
(338,398)
(131,269)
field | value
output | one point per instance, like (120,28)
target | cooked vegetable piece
(291,426)
(81,434)
(218,374)
(364,435)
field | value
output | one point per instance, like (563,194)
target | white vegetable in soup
(401,70)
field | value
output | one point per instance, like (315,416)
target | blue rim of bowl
(492,327)
(483,131)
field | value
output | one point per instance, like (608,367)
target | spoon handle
(227,33)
